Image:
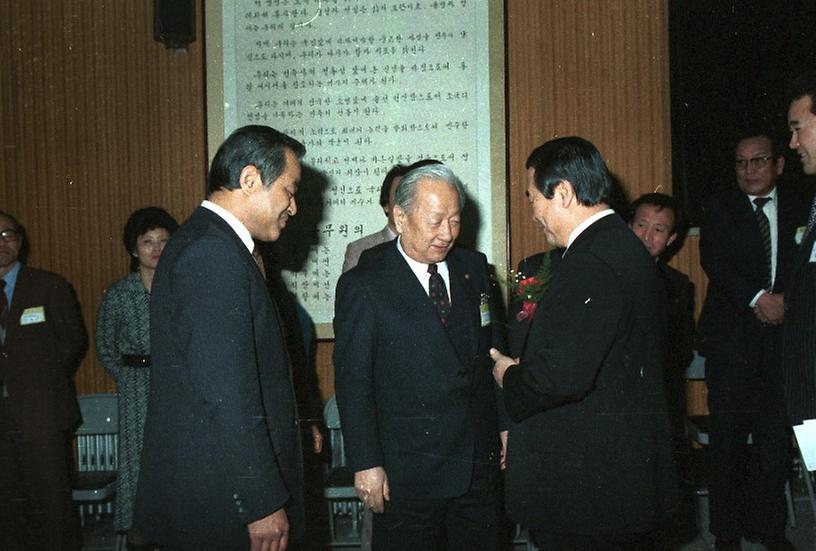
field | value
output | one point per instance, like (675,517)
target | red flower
(528,309)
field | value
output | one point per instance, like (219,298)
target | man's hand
(503,460)
(270,533)
(502,362)
(770,308)
(372,488)
(317,439)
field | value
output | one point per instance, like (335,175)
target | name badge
(35,314)
(484,309)
(800,234)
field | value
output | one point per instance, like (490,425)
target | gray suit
(356,248)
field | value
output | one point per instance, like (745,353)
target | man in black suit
(42,341)
(799,346)
(413,326)
(589,461)
(747,247)
(221,467)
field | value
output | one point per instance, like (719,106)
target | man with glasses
(42,341)
(747,245)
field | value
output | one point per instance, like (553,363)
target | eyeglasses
(9,235)
(756,162)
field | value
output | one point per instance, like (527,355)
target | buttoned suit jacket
(799,334)
(39,359)
(733,257)
(356,248)
(415,397)
(221,440)
(590,452)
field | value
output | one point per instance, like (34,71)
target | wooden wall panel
(597,69)
(96,120)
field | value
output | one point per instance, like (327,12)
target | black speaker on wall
(174,22)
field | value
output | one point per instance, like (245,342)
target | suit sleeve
(224,370)
(354,356)
(580,326)
(69,329)
(717,235)
(107,330)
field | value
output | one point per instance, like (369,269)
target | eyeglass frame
(9,235)
(756,163)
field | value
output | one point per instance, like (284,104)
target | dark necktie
(439,293)
(765,232)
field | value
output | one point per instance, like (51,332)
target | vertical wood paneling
(96,120)
(597,69)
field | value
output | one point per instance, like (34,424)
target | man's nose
(292,210)
(794,141)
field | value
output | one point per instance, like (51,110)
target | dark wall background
(731,63)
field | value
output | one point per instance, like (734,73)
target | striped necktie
(765,232)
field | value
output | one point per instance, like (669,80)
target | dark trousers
(467,522)
(747,483)
(36,509)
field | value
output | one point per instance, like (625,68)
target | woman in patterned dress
(123,348)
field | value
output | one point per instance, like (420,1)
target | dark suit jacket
(39,359)
(591,453)
(415,397)
(799,334)
(221,444)
(732,255)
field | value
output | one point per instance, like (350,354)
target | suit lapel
(464,308)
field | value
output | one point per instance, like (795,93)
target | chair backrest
(97,438)
(331,415)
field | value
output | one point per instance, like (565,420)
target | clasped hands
(770,308)
(372,488)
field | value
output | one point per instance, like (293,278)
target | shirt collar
(233,222)
(771,194)
(585,224)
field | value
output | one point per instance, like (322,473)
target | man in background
(747,247)
(221,466)
(413,325)
(799,344)
(589,461)
(42,342)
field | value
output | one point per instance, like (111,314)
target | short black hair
(139,223)
(759,131)
(575,160)
(260,146)
(804,85)
(661,201)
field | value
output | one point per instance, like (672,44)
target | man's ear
(249,179)
(564,193)
(399,218)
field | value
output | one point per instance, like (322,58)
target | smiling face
(428,233)
(545,212)
(271,206)
(654,226)
(753,179)
(802,123)
(149,247)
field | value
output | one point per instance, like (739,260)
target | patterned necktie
(765,232)
(439,293)
(812,217)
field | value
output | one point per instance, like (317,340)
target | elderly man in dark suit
(42,341)
(747,246)
(799,343)
(221,467)
(589,461)
(414,324)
